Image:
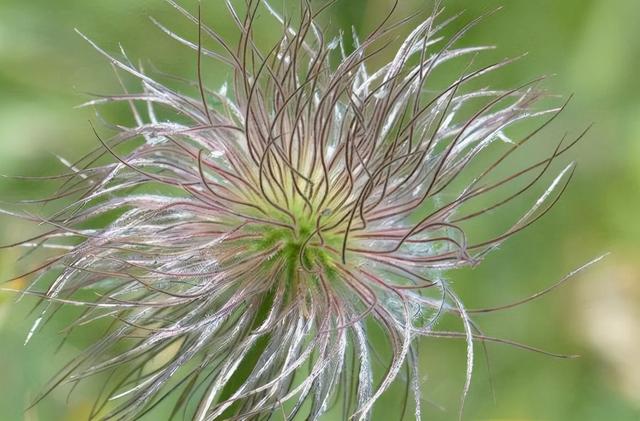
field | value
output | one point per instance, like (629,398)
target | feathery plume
(247,245)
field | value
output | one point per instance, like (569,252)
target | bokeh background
(592,47)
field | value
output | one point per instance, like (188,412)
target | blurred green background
(593,49)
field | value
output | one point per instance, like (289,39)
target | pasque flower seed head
(247,244)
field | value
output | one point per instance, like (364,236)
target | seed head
(247,244)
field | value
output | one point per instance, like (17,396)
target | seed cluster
(258,238)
